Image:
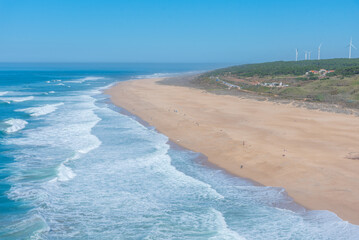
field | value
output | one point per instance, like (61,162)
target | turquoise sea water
(73,166)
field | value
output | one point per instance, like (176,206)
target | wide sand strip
(314,155)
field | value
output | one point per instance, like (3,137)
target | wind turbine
(351,45)
(306,55)
(296,54)
(320,45)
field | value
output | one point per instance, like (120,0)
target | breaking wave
(81,80)
(39,111)
(16,99)
(15,125)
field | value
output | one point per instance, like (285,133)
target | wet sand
(314,155)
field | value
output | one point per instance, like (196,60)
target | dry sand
(314,155)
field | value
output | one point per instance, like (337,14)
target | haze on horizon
(232,31)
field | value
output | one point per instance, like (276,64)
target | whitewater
(74,166)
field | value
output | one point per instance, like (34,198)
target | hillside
(333,81)
(342,66)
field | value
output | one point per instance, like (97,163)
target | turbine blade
(354,46)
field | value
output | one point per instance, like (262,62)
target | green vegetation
(346,67)
(338,87)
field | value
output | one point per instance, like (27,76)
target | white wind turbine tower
(320,45)
(350,47)
(296,54)
(306,55)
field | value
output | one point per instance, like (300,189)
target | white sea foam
(162,75)
(156,75)
(95,143)
(160,162)
(223,231)
(16,99)
(92,78)
(3,93)
(65,173)
(70,128)
(81,80)
(39,111)
(34,225)
(107,86)
(53,81)
(15,125)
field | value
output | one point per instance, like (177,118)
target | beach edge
(111,91)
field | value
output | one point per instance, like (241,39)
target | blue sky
(224,31)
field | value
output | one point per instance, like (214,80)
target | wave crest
(16,125)
(81,80)
(16,99)
(39,111)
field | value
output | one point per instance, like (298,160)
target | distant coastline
(305,151)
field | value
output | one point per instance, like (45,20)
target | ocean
(74,166)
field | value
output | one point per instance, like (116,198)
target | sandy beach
(314,155)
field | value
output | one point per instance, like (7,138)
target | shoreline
(152,102)
(202,159)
